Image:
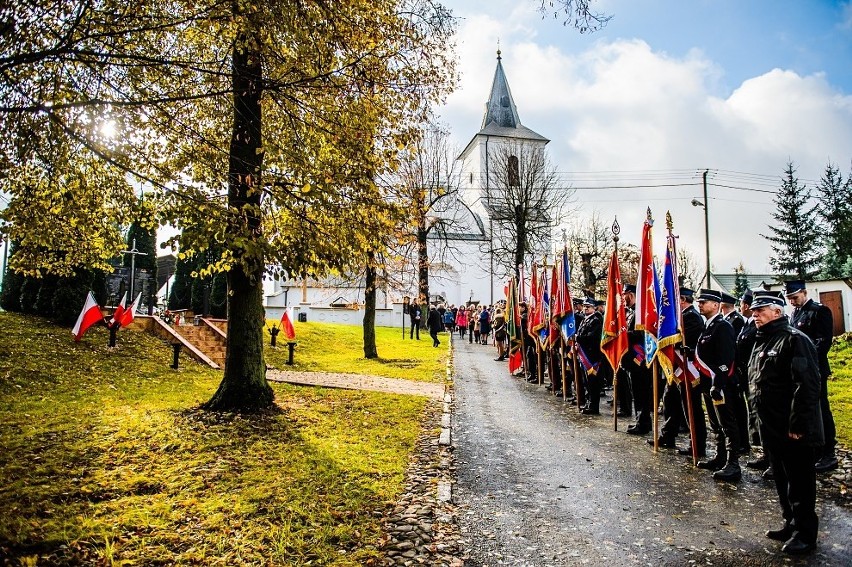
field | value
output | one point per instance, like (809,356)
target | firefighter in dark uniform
(589,339)
(745,344)
(674,396)
(633,365)
(737,321)
(816,321)
(715,355)
(785,382)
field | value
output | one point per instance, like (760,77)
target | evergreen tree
(180,293)
(10,296)
(740,281)
(29,294)
(70,296)
(146,241)
(835,212)
(795,235)
(44,298)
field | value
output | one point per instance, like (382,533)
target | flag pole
(577,391)
(615,231)
(655,366)
(684,368)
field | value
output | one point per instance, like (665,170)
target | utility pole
(706,228)
(133,253)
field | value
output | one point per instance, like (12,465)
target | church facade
(469,270)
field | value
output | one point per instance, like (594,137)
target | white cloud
(621,106)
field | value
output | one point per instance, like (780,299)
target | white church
(466,270)
(474,275)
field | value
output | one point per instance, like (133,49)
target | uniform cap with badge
(793,287)
(767,299)
(728,298)
(710,295)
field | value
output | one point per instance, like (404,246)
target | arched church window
(514,175)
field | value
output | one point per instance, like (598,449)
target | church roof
(501,115)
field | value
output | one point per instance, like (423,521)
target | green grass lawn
(840,387)
(105,460)
(340,348)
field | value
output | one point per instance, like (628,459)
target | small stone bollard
(290,346)
(176,347)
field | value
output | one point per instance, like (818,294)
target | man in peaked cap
(737,321)
(634,368)
(715,356)
(785,377)
(816,321)
(589,340)
(745,344)
(674,396)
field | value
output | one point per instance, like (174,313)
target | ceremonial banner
(542,301)
(553,331)
(287,325)
(533,315)
(587,364)
(567,322)
(647,293)
(614,341)
(513,324)
(670,316)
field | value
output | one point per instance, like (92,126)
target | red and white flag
(127,316)
(90,315)
(119,311)
(287,325)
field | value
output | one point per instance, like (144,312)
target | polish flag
(90,315)
(287,325)
(119,311)
(127,316)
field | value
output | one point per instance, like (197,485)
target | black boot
(731,472)
(716,463)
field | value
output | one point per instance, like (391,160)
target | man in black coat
(589,340)
(715,354)
(785,381)
(816,321)
(435,325)
(633,364)
(738,402)
(415,313)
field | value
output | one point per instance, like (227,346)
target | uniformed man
(714,358)
(737,321)
(633,364)
(745,344)
(785,381)
(589,340)
(674,396)
(816,321)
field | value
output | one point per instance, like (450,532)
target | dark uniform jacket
(589,336)
(634,339)
(736,320)
(745,344)
(785,385)
(693,326)
(716,351)
(434,322)
(816,321)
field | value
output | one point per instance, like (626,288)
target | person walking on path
(435,325)
(500,335)
(461,321)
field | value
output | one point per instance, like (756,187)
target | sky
(667,90)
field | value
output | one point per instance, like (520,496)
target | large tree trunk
(370,350)
(244,387)
(422,267)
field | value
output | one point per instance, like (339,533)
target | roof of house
(755,281)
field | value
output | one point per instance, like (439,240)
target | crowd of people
(756,375)
(482,324)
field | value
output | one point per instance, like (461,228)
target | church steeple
(500,108)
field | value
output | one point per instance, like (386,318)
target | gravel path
(358,382)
